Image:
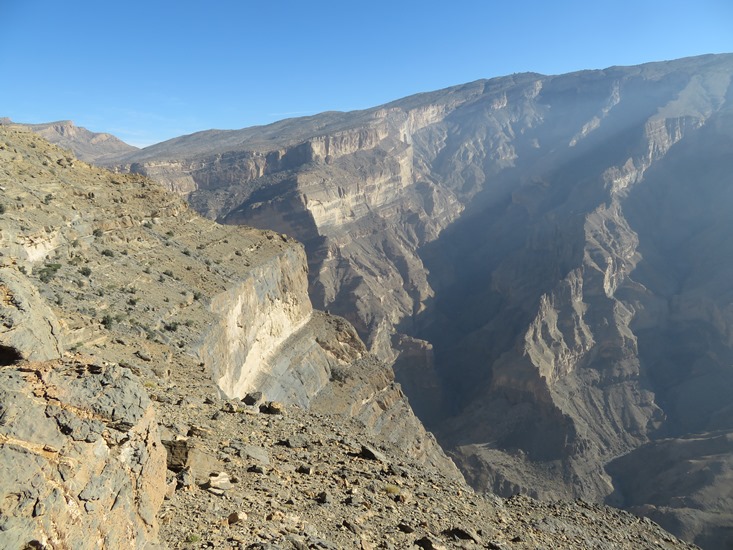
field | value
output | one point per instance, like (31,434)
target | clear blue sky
(155,69)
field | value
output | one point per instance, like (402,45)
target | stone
(177,453)
(143,355)
(405,527)
(297,441)
(30,329)
(272,407)
(253,452)
(252,399)
(306,469)
(220,480)
(370,453)
(236,517)
(429,543)
(185,479)
(462,534)
(69,483)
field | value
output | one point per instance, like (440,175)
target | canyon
(166,383)
(544,261)
(541,258)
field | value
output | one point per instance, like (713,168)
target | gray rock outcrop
(81,463)
(30,329)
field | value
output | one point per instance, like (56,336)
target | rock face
(81,463)
(31,330)
(559,244)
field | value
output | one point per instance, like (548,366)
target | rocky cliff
(550,248)
(113,290)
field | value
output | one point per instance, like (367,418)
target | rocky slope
(544,257)
(86,145)
(112,288)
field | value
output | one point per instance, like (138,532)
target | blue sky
(150,70)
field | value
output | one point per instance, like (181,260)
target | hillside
(86,145)
(543,258)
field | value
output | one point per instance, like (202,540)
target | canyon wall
(550,248)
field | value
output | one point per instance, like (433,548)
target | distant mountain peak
(87,145)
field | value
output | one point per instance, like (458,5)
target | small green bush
(86,271)
(107,252)
(48,272)
(97,232)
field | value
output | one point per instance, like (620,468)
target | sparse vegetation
(97,232)
(86,271)
(107,252)
(48,272)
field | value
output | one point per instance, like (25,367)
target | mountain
(86,145)
(545,260)
(142,349)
